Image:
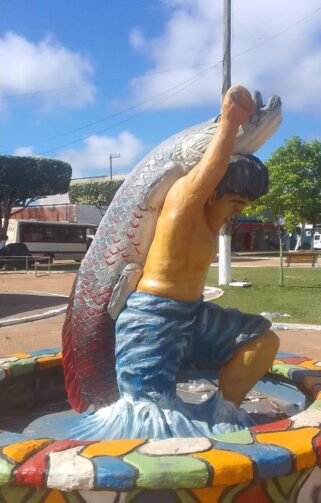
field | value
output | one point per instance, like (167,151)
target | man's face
(221,211)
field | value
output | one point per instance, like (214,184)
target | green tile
(20,494)
(22,366)
(168,472)
(238,437)
(5,471)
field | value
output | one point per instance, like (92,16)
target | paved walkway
(46,333)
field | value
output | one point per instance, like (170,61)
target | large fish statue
(113,265)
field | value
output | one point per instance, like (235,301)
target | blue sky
(81,79)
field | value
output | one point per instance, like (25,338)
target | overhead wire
(184,84)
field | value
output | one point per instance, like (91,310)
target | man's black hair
(246,175)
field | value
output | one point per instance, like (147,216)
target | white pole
(225,239)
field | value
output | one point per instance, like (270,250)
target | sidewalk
(46,333)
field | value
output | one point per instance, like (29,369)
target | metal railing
(28,263)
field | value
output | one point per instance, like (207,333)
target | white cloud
(288,64)
(94,155)
(24,151)
(44,66)
(137,38)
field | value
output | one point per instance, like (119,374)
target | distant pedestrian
(3,239)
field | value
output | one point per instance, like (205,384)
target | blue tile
(39,352)
(113,473)
(269,460)
(7,438)
(297,375)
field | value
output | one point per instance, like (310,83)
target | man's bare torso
(181,252)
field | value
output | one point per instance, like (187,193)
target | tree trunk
(281,279)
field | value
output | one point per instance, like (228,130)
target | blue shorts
(155,336)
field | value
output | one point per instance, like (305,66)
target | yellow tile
(46,362)
(55,497)
(310,365)
(229,467)
(23,450)
(310,381)
(297,441)
(111,448)
(209,494)
(21,355)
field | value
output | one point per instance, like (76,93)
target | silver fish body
(115,260)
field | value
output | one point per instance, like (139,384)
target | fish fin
(75,397)
(126,284)
(158,190)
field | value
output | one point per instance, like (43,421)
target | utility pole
(225,238)
(111,157)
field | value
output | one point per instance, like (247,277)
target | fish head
(260,126)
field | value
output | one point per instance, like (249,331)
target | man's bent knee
(269,341)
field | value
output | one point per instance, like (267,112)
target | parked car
(10,256)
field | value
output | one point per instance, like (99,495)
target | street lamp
(111,157)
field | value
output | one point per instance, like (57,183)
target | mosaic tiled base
(273,462)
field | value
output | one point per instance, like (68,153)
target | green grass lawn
(300,297)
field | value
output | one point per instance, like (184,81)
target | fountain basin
(274,461)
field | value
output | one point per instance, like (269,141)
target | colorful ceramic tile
(317,447)
(254,493)
(175,446)
(99,496)
(297,441)
(47,362)
(55,497)
(69,471)
(47,351)
(282,355)
(21,494)
(286,489)
(282,425)
(310,417)
(316,404)
(282,369)
(113,473)
(8,359)
(22,366)
(231,492)
(243,437)
(229,467)
(270,460)
(208,494)
(297,374)
(5,471)
(22,450)
(111,448)
(310,364)
(311,489)
(33,471)
(169,471)
(295,360)
(7,438)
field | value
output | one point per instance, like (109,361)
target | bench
(301,257)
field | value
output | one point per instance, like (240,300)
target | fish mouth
(273,106)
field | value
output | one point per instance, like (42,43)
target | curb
(295,326)
(39,316)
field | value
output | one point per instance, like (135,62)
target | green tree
(23,180)
(99,194)
(295,186)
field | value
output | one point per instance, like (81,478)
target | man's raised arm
(202,180)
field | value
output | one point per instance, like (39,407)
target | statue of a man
(166,323)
